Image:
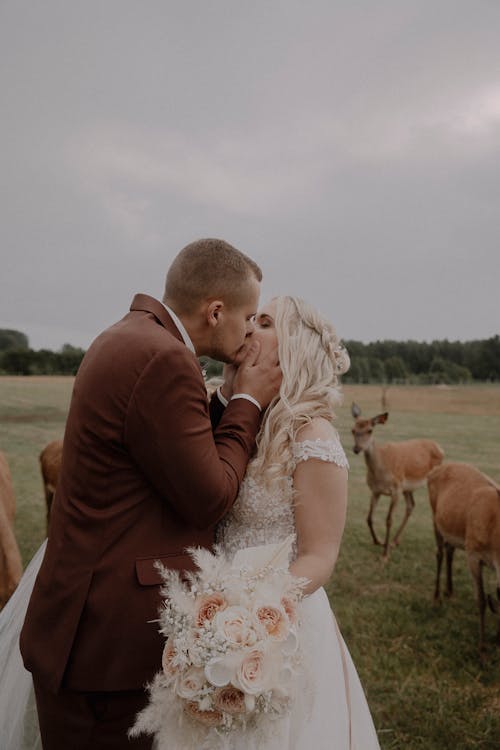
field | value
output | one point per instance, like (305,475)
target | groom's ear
(214,312)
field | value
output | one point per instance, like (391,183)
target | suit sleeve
(169,434)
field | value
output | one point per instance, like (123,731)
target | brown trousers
(71,720)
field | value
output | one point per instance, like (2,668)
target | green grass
(418,663)
(32,413)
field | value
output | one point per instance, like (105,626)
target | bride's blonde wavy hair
(311,358)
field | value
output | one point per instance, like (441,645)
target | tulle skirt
(331,711)
(18,717)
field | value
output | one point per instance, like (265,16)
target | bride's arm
(320,511)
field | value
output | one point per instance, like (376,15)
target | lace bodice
(258,517)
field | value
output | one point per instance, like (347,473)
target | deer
(465,506)
(392,468)
(50,464)
(11,567)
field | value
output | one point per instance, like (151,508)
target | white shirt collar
(178,323)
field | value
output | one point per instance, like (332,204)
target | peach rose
(191,682)
(274,621)
(166,660)
(251,673)
(209,718)
(208,606)
(234,625)
(230,699)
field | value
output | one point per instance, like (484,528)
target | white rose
(235,626)
(222,670)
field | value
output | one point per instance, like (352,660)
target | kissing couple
(151,468)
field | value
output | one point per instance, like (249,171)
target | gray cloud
(352,149)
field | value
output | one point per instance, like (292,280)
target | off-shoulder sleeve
(326,450)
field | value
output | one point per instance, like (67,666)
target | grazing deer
(392,468)
(11,567)
(466,512)
(50,464)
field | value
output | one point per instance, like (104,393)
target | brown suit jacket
(143,477)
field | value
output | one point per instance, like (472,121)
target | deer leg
(388,524)
(373,503)
(494,604)
(410,504)
(495,608)
(439,562)
(450,551)
(476,569)
(497,611)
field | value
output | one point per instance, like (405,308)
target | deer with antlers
(392,468)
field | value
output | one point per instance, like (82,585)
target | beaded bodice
(260,517)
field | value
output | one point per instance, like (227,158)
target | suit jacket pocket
(149,575)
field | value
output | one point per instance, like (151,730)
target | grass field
(418,663)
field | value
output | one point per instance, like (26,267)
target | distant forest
(16,357)
(421,362)
(378,362)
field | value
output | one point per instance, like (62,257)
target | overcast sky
(351,147)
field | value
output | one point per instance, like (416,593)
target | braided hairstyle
(311,359)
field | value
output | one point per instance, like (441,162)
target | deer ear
(381,418)
(355,410)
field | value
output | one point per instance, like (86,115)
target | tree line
(17,358)
(377,362)
(424,363)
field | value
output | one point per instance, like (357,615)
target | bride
(296,483)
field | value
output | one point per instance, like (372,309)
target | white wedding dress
(331,711)
(18,717)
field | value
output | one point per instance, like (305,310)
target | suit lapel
(145,303)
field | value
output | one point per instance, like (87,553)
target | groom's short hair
(209,268)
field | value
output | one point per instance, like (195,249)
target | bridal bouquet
(231,654)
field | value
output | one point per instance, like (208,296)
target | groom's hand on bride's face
(228,373)
(258,377)
(231,368)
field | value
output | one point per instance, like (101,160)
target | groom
(147,471)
